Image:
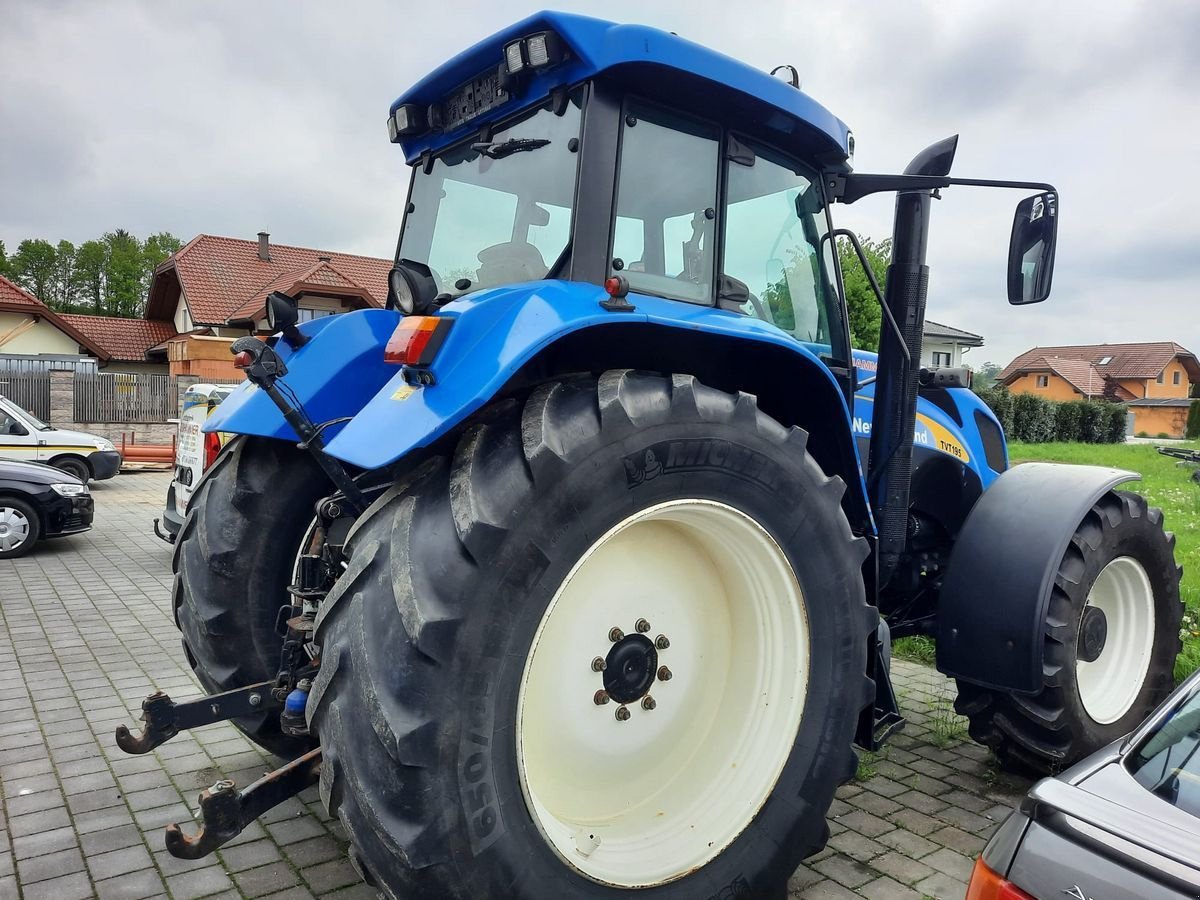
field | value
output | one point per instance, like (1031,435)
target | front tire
(234,558)
(20,527)
(76,467)
(1110,640)
(467,747)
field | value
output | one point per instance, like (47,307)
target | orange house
(1152,379)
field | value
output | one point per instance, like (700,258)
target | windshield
(1168,763)
(495,212)
(27,416)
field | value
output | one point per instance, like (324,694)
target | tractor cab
(690,176)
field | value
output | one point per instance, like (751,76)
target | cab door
(18,438)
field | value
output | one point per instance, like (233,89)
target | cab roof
(598,46)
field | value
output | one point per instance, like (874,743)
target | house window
(1043,381)
(1159,379)
(940,359)
(1175,377)
(1105,361)
(307,314)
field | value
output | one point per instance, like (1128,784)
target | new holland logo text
(698,455)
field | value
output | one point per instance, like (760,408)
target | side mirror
(282,315)
(1031,249)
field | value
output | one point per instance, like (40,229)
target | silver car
(1123,824)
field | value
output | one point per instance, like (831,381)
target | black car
(1123,824)
(38,501)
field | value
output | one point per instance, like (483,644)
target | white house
(943,345)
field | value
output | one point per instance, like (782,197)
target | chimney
(264,246)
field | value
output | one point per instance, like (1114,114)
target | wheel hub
(630,668)
(1093,633)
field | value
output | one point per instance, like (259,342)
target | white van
(194,453)
(26,437)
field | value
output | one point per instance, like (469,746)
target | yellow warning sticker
(404,392)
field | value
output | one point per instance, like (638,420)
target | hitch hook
(164,718)
(224,812)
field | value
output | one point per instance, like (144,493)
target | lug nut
(642,626)
(615,634)
(600,698)
(648,703)
(598,664)
(661,642)
(664,674)
(622,714)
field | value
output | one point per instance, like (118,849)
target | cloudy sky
(230,117)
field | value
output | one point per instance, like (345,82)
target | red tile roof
(123,339)
(14,298)
(319,278)
(221,275)
(1143,360)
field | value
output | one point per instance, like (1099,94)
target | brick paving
(86,633)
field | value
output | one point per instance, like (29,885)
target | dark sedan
(1123,824)
(38,501)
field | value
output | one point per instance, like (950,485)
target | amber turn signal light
(417,340)
(988,885)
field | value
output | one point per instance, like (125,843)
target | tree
(863,308)
(4,270)
(157,248)
(33,266)
(62,294)
(123,274)
(91,262)
(985,375)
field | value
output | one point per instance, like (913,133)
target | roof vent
(264,246)
(322,259)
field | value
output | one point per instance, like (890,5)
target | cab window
(663,237)
(777,246)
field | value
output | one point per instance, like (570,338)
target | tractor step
(163,718)
(225,811)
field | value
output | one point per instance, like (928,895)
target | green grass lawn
(1164,484)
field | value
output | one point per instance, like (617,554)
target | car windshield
(488,213)
(1168,762)
(27,416)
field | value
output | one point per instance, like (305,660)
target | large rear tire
(234,558)
(1110,640)
(492,702)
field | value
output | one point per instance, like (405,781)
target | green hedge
(1193,422)
(1030,418)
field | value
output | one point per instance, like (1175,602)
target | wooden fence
(29,390)
(125,398)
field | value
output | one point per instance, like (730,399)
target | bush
(1163,434)
(1143,434)
(1028,417)
(1193,420)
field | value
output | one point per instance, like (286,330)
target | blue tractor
(575,569)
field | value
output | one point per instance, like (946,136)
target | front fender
(333,375)
(994,600)
(495,332)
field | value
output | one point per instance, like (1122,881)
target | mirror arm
(855,186)
(887,313)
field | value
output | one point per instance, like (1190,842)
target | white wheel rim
(1109,686)
(14,529)
(645,801)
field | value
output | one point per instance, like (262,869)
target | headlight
(71,490)
(105,445)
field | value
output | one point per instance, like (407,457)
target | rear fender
(994,599)
(333,376)
(504,333)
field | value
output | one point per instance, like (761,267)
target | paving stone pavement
(87,632)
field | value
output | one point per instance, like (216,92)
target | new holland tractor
(573,571)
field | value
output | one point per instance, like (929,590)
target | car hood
(34,473)
(64,437)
